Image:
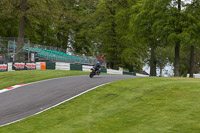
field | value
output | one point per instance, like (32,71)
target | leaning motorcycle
(93,72)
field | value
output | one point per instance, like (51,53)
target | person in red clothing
(102,58)
(99,58)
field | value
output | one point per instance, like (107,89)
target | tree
(24,7)
(142,25)
(192,31)
(105,32)
(110,34)
(170,27)
(163,57)
(8,18)
(133,53)
(24,11)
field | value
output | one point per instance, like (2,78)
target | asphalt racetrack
(30,99)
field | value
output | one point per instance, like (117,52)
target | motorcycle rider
(97,67)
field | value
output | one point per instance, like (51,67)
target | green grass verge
(143,105)
(8,79)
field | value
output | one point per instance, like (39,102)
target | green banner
(51,65)
(129,73)
(77,67)
(103,70)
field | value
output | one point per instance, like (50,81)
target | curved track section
(33,98)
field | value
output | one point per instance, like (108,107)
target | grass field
(143,105)
(8,79)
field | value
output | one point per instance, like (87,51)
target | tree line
(129,33)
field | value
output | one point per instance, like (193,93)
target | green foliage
(95,27)
(131,59)
(8,18)
(111,33)
(164,55)
(162,21)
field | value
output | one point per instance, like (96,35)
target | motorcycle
(93,72)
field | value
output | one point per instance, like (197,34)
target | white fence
(141,75)
(111,71)
(10,67)
(194,75)
(86,68)
(62,66)
(38,65)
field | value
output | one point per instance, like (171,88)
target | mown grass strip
(144,105)
(8,79)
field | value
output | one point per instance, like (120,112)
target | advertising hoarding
(19,66)
(3,67)
(30,66)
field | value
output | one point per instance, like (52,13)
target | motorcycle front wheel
(91,75)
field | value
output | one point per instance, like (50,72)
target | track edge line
(56,104)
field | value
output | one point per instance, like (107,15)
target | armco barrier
(86,68)
(194,75)
(111,71)
(51,65)
(62,66)
(38,65)
(10,66)
(141,75)
(77,67)
(66,66)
